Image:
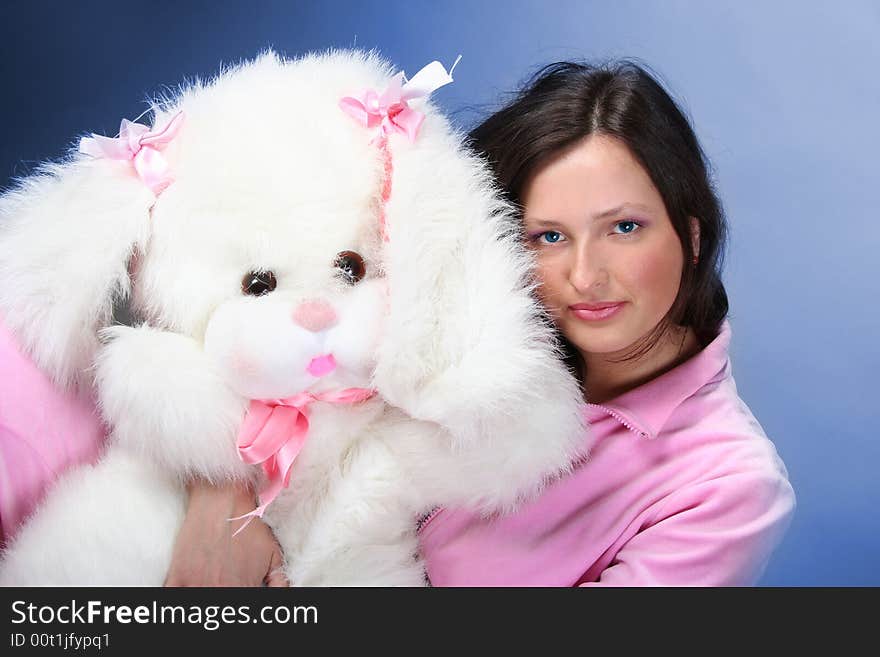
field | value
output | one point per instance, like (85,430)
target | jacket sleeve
(44,431)
(717,532)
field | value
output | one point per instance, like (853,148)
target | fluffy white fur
(474,406)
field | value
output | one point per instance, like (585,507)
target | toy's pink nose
(314,315)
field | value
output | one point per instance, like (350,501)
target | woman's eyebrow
(542,223)
(539,222)
(620,208)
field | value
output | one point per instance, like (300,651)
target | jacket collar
(646,409)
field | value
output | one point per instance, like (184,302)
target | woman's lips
(596,311)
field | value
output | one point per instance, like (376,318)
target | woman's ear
(66,235)
(694,224)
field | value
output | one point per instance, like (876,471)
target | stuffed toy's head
(264,240)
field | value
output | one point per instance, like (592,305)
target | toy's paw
(407,393)
(165,399)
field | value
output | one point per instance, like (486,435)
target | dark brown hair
(564,103)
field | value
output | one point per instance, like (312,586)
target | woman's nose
(314,315)
(587,271)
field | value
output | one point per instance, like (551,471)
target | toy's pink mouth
(321,365)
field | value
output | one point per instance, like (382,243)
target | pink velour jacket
(43,431)
(681,488)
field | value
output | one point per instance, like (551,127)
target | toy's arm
(165,399)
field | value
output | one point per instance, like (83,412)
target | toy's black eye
(258,283)
(351,266)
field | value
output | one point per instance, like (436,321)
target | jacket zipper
(622,420)
(420,525)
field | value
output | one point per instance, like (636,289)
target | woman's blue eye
(626,227)
(551,236)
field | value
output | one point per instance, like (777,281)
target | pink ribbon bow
(273,434)
(391,112)
(136,142)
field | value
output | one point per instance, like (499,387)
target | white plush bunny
(331,290)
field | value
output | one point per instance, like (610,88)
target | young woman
(682,487)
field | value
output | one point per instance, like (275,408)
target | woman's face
(609,261)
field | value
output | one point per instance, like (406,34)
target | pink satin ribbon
(273,434)
(390,113)
(136,142)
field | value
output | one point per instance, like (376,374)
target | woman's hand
(206,554)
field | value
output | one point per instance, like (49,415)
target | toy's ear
(466,343)
(66,236)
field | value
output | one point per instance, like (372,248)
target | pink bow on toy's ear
(391,112)
(136,142)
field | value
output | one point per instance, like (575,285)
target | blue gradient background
(784,97)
